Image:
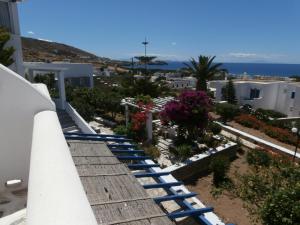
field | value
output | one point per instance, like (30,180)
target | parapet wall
(200,163)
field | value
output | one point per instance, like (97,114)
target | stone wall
(198,166)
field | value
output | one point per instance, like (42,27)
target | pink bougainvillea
(189,110)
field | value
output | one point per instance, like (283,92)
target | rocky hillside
(44,51)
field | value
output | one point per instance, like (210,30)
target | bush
(258,157)
(270,113)
(209,140)
(227,111)
(219,166)
(283,207)
(121,130)
(249,121)
(214,128)
(280,134)
(184,151)
(152,151)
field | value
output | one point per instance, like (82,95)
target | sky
(233,30)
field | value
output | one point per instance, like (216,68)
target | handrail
(80,122)
(55,193)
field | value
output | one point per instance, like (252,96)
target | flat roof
(115,195)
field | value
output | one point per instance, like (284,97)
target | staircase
(163,146)
(67,123)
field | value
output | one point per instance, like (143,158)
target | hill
(46,51)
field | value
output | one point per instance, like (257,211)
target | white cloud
(30,32)
(41,39)
(242,55)
(252,57)
(173,43)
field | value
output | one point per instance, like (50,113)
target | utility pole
(132,65)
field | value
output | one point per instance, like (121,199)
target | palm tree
(203,70)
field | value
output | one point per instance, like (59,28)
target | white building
(182,83)
(9,19)
(281,96)
(76,74)
(73,74)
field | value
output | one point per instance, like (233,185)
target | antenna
(145,43)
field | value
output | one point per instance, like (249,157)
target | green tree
(84,101)
(203,70)
(145,87)
(5,52)
(228,92)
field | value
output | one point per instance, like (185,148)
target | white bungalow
(281,96)
(182,83)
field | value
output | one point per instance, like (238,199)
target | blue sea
(283,70)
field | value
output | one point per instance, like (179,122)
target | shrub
(184,151)
(6,52)
(121,130)
(219,166)
(152,151)
(227,111)
(209,140)
(249,121)
(283,207)
(258,157)
(280,134)
(214,128)
(270,113)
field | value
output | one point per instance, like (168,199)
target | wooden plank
(96,161)
(129,211)
(115,195)
(84,170)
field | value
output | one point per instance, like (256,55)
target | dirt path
(230,208)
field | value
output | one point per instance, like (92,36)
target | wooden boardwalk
(116,197)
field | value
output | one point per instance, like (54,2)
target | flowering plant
(189,111)
(139,119)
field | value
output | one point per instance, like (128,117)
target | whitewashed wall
(20,101)
(55,193)
(273,95)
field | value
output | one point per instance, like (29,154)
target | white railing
(55,193)
(80,122)
(256,140)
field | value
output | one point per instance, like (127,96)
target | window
(4,16)
(254,93)
(293,95)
